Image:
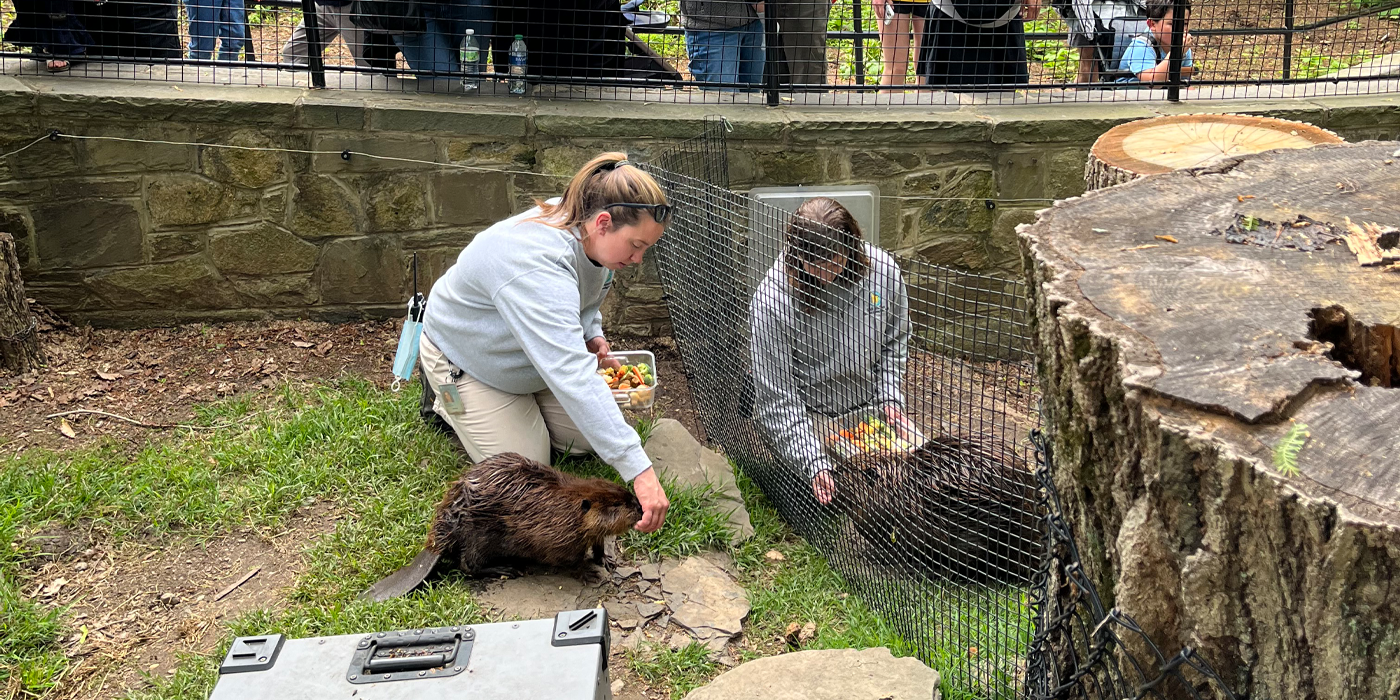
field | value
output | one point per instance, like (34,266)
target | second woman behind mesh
(830,336)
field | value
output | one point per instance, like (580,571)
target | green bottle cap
(520,37)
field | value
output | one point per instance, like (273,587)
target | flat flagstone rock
(829,674)
(705,601)
(532,597)
(678,456)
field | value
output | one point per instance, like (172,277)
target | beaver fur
(955,508)
(511,507)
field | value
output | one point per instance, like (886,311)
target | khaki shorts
(493,421)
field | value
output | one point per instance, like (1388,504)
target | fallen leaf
(302,344)
(1242,197)
(108,376)
(808,633)
(774,555)
(1168,239)
(66,428)
(1142,247)
(54,587)
(323,349)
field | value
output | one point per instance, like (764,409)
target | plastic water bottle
(469,54)
(517,65)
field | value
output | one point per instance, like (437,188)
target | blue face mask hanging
(407,353)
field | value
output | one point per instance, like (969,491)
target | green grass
(348,443)
(363,452)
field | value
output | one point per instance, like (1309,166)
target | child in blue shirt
(1147,57)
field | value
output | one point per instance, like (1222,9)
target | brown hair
(822,230)
(607,179)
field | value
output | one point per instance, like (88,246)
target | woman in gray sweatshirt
(830,337)
(513,335)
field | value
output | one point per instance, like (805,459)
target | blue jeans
(216,19)
(727,55)
(447,23)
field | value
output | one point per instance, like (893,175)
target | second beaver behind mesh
(510,507)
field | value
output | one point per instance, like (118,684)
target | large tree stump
(1154,146)
(1174,372)
(19,338)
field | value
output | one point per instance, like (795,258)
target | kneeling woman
(513,335)
(830,337)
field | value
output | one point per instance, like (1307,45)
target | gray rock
(361,270)
(184,200)
(263,249)
(618,610)
(832,674)
(651,571)
(322,207)
(532,597)
(705,600)
(183,284)
(650,610)
(678,457)
(86,233)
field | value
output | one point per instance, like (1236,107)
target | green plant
(1060,61)
(1288,447)
(682,670)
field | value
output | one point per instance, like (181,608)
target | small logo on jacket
(875,300)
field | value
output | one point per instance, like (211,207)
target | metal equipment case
(565,658)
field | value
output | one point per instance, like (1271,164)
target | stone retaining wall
(124,233)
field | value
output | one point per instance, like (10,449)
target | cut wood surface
(1172,372)
(1161,145)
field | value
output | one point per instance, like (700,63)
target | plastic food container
(637,397)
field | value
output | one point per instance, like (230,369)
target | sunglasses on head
(660,212)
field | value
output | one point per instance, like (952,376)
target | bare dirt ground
(158,375)
(136,608)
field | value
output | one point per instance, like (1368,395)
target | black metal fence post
(1288,39)
(313,44)
(772,55)
(1178,50)
(856,20)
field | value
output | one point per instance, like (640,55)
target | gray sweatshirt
(515,311)
(847,355)
(711,15)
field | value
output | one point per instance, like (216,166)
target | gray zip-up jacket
(515,312)
(846,355)
(711,15)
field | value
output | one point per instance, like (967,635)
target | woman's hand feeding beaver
(508,507)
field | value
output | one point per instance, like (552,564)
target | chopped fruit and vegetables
(870,435)
(628,376)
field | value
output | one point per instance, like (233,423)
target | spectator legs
(801,39)
(333,21)
(727,55)
(436,48)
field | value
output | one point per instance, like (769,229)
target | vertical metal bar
(313,43)
(1177,50)
(1288,39)
(772,53)
(859,41)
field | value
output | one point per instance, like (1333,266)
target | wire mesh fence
(888,408)
(886,413)
(875,52)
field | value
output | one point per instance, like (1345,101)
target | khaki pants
(494,421)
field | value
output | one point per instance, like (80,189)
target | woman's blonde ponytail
(607,179)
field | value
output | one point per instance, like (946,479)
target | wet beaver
(510,507)
(955,508)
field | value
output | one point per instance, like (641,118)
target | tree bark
(1161,145)
(19,337)
(1190,327)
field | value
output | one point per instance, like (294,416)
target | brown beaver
(510,507)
